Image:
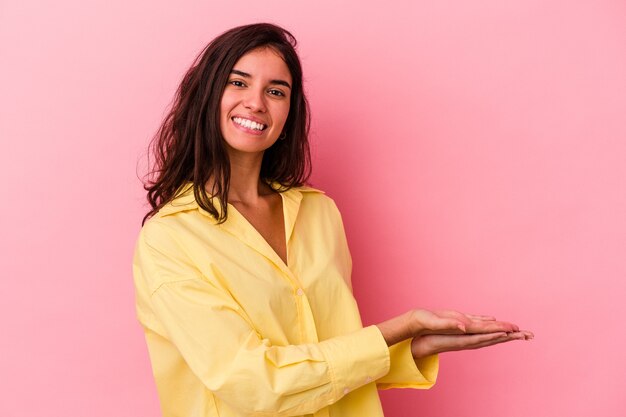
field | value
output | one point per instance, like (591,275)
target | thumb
(449,324)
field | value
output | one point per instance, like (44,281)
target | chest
(269,222)
(306,301)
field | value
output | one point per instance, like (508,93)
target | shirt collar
(184,200)
(237,225)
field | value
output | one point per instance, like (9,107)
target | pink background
(476,150)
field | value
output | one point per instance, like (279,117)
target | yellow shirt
(234,331)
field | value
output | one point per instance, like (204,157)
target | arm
(219,343)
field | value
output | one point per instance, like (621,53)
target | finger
(479,317)
(527,335)
(485,338)
(512,326)
(445,343)
(516,336)
(444,324)
(479,326)
(492,342)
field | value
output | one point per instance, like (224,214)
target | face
(255,103)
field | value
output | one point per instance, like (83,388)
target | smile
(249,124)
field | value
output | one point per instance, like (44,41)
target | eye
(237,83)
(276,93)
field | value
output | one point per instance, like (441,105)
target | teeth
(248,123)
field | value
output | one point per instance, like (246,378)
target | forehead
(264,62)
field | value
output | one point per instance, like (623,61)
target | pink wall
(476,150)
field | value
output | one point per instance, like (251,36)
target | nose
(254,100)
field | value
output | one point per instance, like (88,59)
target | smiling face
(255,102)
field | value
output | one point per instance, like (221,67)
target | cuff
(356,359)
(406,372)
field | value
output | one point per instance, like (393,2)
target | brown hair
(189,145)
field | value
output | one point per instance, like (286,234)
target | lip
(252,118)
(248,130)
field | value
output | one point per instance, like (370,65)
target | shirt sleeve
(406,372)
(232,359)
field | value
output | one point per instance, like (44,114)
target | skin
(448,330)
(259,89)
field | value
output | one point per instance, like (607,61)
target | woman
(242,273)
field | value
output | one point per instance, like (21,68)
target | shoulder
(184,200)
(314,204)
(155,231)
(311,196)
(166,231)
(309,189)
(164,253)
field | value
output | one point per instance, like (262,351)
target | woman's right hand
(437,343)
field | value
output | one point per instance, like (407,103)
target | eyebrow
(246,75)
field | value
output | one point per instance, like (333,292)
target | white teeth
(248,123)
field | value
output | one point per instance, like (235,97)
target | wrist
(413,325)
(421,348)
(396,330)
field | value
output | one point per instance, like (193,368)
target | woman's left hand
(429,344)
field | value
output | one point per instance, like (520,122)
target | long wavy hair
(189,146)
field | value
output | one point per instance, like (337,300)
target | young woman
(242,272)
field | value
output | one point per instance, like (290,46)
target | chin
(247,147)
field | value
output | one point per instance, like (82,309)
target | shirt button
(346,390)
(300,292)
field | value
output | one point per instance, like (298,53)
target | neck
(245,182)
